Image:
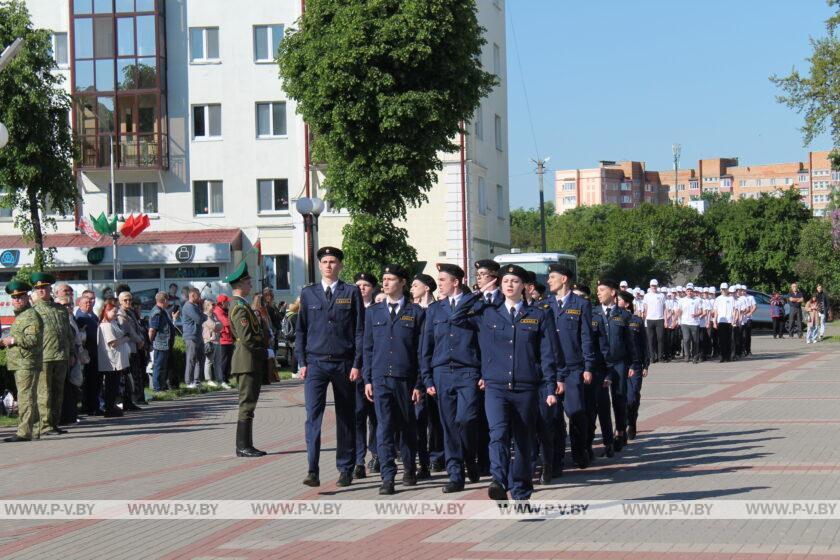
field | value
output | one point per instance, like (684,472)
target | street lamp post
(540,172)
(8,54)
(310,209)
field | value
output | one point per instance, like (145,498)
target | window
(569,200)
(126,198)
(773,181)
(742,183)
(626,186)
(207,198)
(693,185)
(207,121)
(59,49)
(479,123)
(727,183)
(835,175)
(273,195)
(500,201)
(569,186)
(498,124)
(266,42)
(277,271)
(497,60)
(803,178)
(204,44)
(482,197)
(271,119)
(626,199)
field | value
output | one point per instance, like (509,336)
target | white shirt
(491,294)
(688,306)
(655,305)
(518,306)
(707,308)
(332,286)
(563,299)
(400,303)
(724,308)
(453,300)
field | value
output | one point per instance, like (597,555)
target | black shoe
(359,472)
(143,402)
(131,407)
(591,453)
(16,438)
(58,431)
(97,412)
(618,442)
(547,474)
(373,465)
(608,451)
(113,413)
(631,432)
(344,479)
(312,480)
(438,465)
(557,471)
(453,487)
(387,488)
(424,473)
(497,492)
(472,473)
(409,479)
(244,440)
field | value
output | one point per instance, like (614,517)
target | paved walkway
(763,428)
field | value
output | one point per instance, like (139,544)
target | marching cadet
(713,334)
(573,322)
(750,308)
(487,280)
(23,356)
(611,325)
(58,341)
(248,360)
(429,429)
(519,356)
(634,378)
(450,365)
(392,338)
(723,315)
(365,413)
(689,310)
(328,344)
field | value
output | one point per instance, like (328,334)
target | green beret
(42,279)
(17,288)
(239,273)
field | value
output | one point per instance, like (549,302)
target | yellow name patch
(572,311)
(342,301)
(406,318)
(530,321)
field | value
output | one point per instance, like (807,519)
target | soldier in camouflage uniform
(23,356)
(249,355)
(58,341)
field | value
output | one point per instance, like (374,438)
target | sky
(624,80)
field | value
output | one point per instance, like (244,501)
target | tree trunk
(37,233)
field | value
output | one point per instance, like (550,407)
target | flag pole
(114,235)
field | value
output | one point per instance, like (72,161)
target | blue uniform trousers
(365,415)
(458,403)
(590,399)
(618,392)
(634,397)
(578,409)
(429,431)
(319,375)
(546,440)
(395,413)
(511,413)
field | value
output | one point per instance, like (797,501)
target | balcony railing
(137,151)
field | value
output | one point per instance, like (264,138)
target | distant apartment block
(621,183)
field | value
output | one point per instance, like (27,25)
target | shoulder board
(545,305)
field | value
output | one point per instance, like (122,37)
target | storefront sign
(185,253)
(9,258)
(96,255)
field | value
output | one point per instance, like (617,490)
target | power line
(522,81)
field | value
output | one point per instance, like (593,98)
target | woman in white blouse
(114,351)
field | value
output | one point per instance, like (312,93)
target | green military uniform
(247,363)
(58,342)
(23,357)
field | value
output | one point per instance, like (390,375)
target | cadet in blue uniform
(519,365)
(634,381)
(365,413)
(450,364)
(430,453)
(487,281)
(610,323)
(393,331)
(328,346)
(573,322)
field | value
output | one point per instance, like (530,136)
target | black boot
(244,442)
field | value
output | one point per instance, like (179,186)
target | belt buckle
(510,386)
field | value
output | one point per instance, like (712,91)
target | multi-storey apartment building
(626,183)
(185,95)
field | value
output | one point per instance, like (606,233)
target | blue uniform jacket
(447,345)
(573,322)
(615,342)
(639,335)
(520,355)
(332,331)
(392,348)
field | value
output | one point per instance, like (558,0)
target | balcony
(140,151)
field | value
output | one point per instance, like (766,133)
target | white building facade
(206,143)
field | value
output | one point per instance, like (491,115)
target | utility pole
(676,150)
(540,172)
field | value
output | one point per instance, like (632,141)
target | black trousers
(725,341)
(221,359)
(656,339)
(779,326)
(92,388)
(795,321)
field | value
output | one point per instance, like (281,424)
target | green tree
(817,94)
(385,86)
(35,167)
(819,260)
(525,228)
